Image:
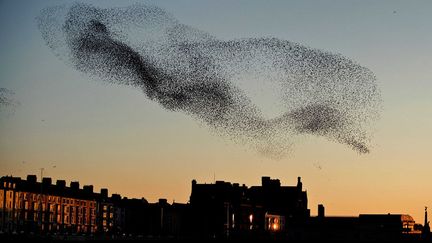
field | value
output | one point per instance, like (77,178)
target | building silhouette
(232,210)
(222,210)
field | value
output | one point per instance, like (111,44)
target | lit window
(275,225)
(275,222)
(233,221)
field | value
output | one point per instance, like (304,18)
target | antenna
(214,177)
(41,170)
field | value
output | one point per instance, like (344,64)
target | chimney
(163,201)
(116,197)
(275,183)
(220,182)
(321,211)
(88,189)
(299,183)
(61,184)
(74,185)
(31,179)
(46,181)
(265,181)
(104,192)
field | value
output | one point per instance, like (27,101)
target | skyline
(269,211)
(83,126)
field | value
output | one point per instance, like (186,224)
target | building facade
(41,207)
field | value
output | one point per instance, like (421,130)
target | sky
(80,128)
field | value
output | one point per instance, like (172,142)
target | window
(274,222)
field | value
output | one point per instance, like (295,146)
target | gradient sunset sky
(81,128)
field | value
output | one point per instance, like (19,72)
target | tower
(426,227)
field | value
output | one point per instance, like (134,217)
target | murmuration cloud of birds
(188,70)
(8,102)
